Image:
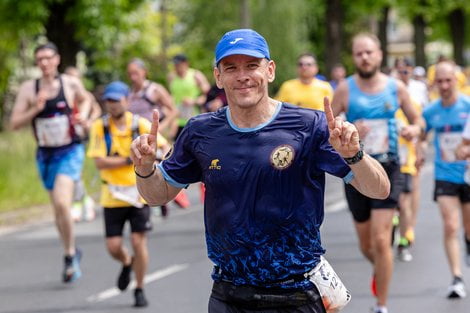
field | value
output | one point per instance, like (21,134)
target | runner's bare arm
(163,96)
(463,150)
(340,96)
(111,162)
(204,87)
(26,106)
(370,178)
(150,182)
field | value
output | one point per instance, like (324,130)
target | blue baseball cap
(241,41)
(115,91)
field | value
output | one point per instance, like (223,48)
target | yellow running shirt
(120,146)
(307,96)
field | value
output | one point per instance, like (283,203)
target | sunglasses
(405,72)
(300,64)
(45,58)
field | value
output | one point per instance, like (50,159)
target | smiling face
(245,79)
(48,61)
(367,56)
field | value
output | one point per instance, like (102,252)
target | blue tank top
(448,123)
(378,107)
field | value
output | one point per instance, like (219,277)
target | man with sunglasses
(57,106)
(417,89)
(306,90)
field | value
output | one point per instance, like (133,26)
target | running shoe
(404,254)
(373,286)
(457,289)
(379,310)
(72,270)
(124,277)
(140,300)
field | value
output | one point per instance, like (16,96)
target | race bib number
(334,294)
(448,143)
(376,140)
(53,131)
(128,194)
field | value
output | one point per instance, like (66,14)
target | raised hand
(344,137)
(143,148)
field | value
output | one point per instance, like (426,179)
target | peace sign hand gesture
(344,137)
(143,148)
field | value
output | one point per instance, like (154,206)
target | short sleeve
(97,145)
(181,167)
(325,157)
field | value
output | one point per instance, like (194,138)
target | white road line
(112,292)
(336,206)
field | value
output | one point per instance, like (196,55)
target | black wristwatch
(357,157)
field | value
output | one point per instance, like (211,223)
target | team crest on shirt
(282,157)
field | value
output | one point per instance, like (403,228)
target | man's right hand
(143,148)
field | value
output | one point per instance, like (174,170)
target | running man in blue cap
(263,163)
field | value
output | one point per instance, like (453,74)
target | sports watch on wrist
(357,157)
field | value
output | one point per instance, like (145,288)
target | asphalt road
(179,274)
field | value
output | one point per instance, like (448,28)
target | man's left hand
(343,135)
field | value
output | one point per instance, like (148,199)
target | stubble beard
(367,75)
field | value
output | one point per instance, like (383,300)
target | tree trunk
(62,32)
(457,32)
(165,42)
(383,23)
(419,39)
(334,34)
(245,20)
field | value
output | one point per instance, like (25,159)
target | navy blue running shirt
(264,190)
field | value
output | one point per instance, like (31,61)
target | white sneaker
(456,289)
(404,254)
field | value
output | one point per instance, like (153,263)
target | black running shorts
(361,206)
(115,218)
(240,299)
(444,188)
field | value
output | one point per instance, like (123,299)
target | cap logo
(235,40)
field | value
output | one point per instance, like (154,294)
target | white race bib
(448,143)
(334,294)
(128,194)
(53,131)
(376,140)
